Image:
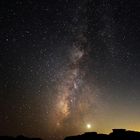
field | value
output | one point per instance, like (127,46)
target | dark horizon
(115,134)
(69,64)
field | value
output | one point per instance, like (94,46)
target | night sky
(69,66)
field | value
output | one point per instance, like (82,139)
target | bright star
(88,126)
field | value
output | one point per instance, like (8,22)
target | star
(88,126)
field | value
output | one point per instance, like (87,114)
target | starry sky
(69,66)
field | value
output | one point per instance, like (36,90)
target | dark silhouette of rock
(20,137)
(117,134)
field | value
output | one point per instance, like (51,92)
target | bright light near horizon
(88,126)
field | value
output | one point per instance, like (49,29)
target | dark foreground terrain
(117,134)
(17,138)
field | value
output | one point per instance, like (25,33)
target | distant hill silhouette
(117,134)
(17,138)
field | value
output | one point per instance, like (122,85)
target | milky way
(69,66)
(75,99)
